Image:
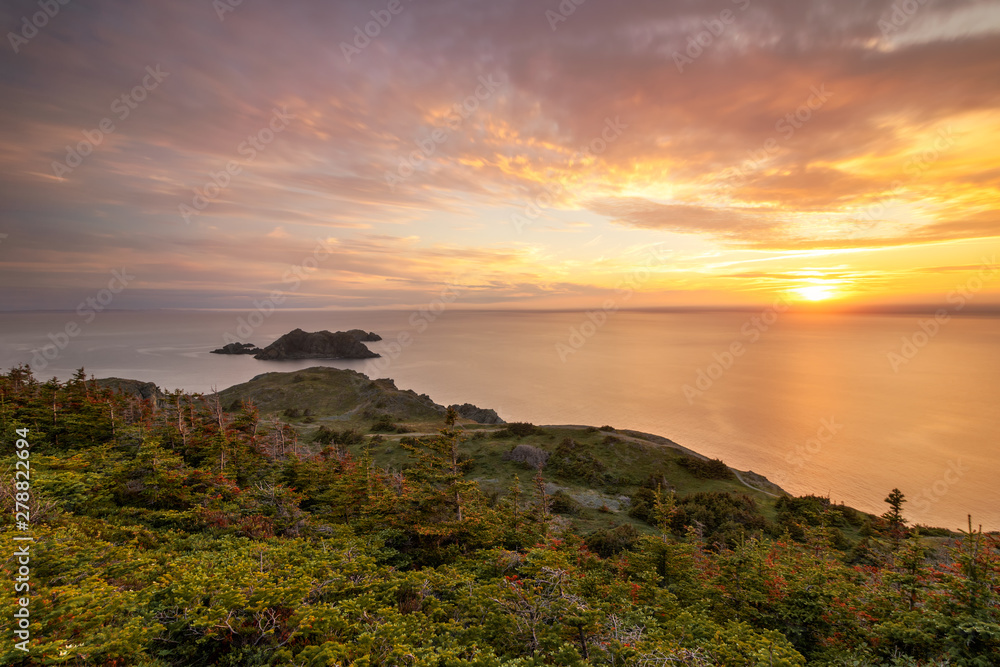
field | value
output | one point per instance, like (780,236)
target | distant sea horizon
(846,404)
(923,309)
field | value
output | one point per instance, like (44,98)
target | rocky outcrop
(364,337)
(146,391)
(237,348)
(478,415)
(533,457)
(299,344)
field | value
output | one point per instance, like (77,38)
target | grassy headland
(323,518)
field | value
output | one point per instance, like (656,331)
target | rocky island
(237,348)
(364,336)
(299,344)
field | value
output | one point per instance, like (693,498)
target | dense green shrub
(706,468)
(519,430)
(722,518)
(611,541)
(383,423)
(561,502)
(328,436)
(573,461)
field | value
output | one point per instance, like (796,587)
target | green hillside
(321,518)
(334,395)
(601,477)
(600,469)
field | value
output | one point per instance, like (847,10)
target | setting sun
(816,292)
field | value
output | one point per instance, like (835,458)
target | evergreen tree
(894,517)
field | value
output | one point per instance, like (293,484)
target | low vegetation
(707,468)
(176,531)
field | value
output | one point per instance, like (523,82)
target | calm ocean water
(814,402)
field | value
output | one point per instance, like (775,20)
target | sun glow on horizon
(817,292)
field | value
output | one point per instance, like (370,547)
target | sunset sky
(538,154)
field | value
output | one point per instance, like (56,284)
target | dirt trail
(745,483)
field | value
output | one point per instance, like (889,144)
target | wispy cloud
(732,155)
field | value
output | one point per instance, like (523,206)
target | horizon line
(826,309)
